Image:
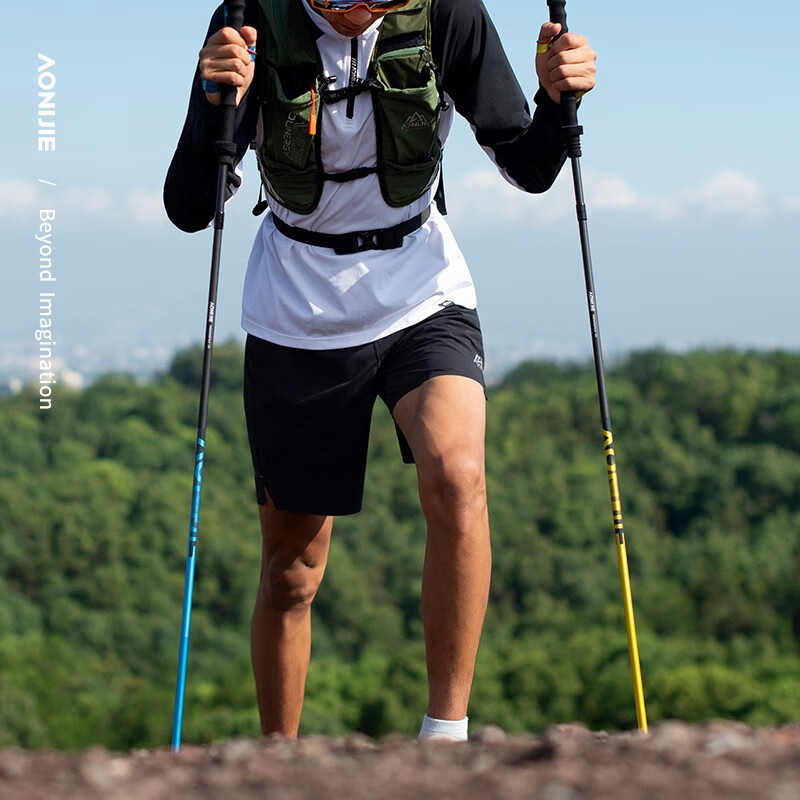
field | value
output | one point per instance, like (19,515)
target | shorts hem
(291,508)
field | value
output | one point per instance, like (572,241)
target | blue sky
(689,162)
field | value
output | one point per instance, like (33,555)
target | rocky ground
(567,762)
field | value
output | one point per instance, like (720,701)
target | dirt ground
(566,762)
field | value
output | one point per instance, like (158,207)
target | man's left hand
(568,65)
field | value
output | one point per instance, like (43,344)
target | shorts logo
(479,361)
(416,120)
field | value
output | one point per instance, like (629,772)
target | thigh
(293,542)
(437,413)
(308,418)
(444,420)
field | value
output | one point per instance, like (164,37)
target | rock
(558,791)
(488,734)
(567,740)
(100,770)
(725,742)
(359,743)
(786,791)
(670,735)
(13,763)
(239,750)
(677,761)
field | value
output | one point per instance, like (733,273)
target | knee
(454,485)
(290,587)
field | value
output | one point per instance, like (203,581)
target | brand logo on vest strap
(416,120)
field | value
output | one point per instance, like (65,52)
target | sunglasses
(343,6)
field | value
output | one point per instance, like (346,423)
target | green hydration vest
(406,95)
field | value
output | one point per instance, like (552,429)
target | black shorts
(309,411)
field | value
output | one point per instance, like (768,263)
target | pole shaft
(591,294)
(234,17)
(572,133)
(610,453)
(188,587)
(197,486)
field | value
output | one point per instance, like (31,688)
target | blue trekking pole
(225,152)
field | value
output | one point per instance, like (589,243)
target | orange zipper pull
(312,122)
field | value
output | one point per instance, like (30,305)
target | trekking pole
(225,151)
(572,134)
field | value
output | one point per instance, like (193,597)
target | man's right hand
(225,59)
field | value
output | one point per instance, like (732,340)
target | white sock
(453,729)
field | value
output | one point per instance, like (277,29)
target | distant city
(79,366)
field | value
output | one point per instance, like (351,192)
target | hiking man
(355,288)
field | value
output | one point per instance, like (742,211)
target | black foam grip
(569,105)
(234,18)
(558,13)
(235,13)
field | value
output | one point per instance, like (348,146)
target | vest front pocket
(296,189)
(404,184)
(287,130)
(407,107)
(287,157)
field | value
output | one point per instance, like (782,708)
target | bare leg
(444,421)
(295,550)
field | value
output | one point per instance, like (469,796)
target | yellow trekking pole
(572,134)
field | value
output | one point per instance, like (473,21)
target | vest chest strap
(357,241)
(330,96)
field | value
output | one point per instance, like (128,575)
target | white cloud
(81,206)
(147,208)
(477,200)
(612,193)
(86,201)
(729,193)
(483,199)
(791,204)
(16,195)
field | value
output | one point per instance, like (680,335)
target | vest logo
(415,121)
(294,139)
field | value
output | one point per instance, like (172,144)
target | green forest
(94,511)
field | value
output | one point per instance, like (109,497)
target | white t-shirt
(306,296)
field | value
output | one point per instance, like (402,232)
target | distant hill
(94,511)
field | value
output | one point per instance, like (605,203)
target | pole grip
(569,104)
(558,13)
(234,14)
(234,18)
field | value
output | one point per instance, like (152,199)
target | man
(356,288)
